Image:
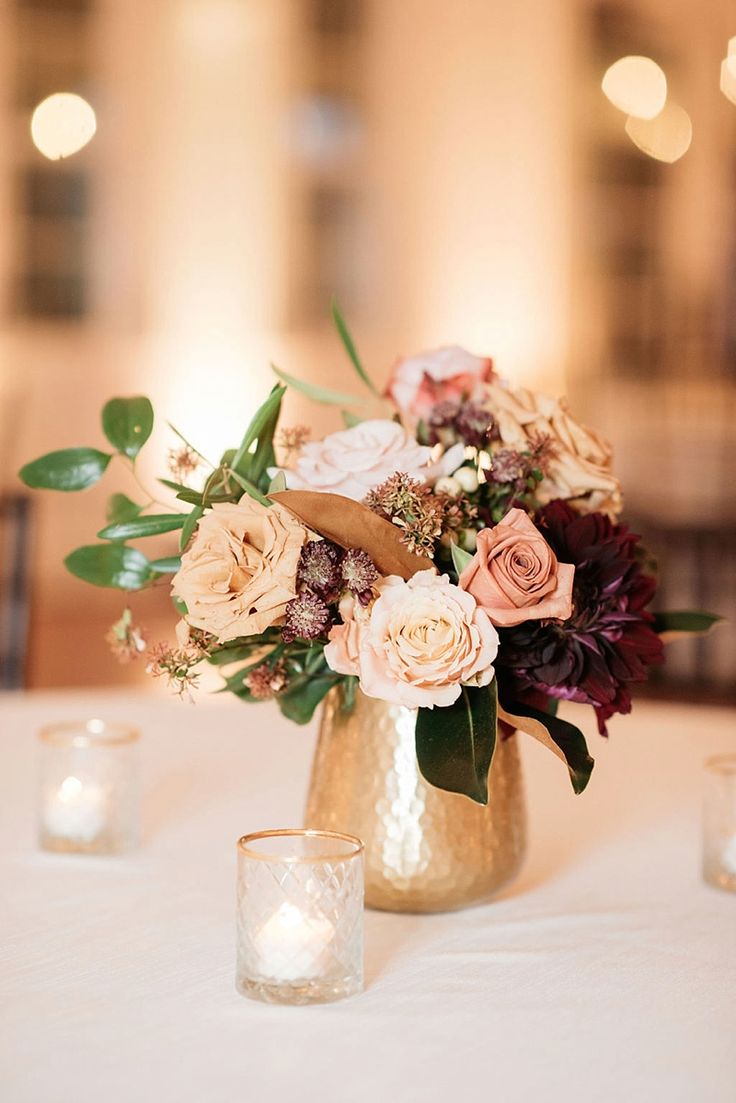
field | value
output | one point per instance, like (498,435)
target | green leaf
(685,622)
(349,344)
(67,470)
(349,420)
(460,558)
(189,526)
(121,508)
(250,488)
(304,694)
(278,483)
(318,394)
(558,735)
(349,687)
(152,525)
(114,565)
(455,745)
(128,423)
(168,565)
(264,421)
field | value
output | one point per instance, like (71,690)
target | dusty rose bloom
(419,382)
(417,645)
(239,572)
(515,576)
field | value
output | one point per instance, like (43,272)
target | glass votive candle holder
(719,822)
(300,916)
(89,788)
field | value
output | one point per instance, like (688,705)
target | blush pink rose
(419,382)
(515,576)
(417,645)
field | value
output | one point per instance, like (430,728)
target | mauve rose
(417,645)
(419,382)
(515,576)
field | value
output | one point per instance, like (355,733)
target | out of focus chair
(15,514)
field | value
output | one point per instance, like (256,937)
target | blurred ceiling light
(636,85)
(665,138)
(728,74)
(62,124)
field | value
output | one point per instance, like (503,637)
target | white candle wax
(75,810)
(291,945)
(728,856)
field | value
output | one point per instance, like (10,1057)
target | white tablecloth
(608,973)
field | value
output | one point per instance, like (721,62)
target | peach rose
(239,572)
(418,644)
(580,468)
(354,461)
(419,382)
(515,576)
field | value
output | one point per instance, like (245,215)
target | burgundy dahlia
(608,643)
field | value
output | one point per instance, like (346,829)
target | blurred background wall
(451,172)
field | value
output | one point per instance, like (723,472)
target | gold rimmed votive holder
(299,916)
(89,788)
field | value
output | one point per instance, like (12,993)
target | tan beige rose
(515,576)
(580,469)
(239,572)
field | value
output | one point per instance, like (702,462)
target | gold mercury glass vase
(425,850)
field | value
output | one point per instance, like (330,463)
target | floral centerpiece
(461,554)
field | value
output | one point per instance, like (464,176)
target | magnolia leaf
(128,423)
(455,745)
(190,524)
(67,470)
(114,565)
(121,508)
(460,558)
(152,525)
(349,345)
(557,735)
(352,525)
(318,394)
(683,623)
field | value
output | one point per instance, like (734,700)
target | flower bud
(449,485)
(467,478)
(468,540)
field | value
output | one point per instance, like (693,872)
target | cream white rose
(239,572)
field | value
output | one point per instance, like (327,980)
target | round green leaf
(128,423)
(114,565)
(152,525)
(69,469)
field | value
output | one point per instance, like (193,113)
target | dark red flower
(608,643)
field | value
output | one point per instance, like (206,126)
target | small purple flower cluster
(323,573)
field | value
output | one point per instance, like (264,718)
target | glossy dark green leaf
(455,745)
(128,423)
(121,508)
(67,470)
(685,622)
(349,346)
(114,565)
(304,695)
(567,741)
(167,565)
(153,524)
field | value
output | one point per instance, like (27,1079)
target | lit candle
(75,810)
(291,945)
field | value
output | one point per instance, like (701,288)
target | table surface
(608,972)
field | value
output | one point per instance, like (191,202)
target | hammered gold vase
(425,850)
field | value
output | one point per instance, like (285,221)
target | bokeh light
(728,74)
(666,137)
(62,124)
(636,85)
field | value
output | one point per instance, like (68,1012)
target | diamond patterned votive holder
(299,916)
